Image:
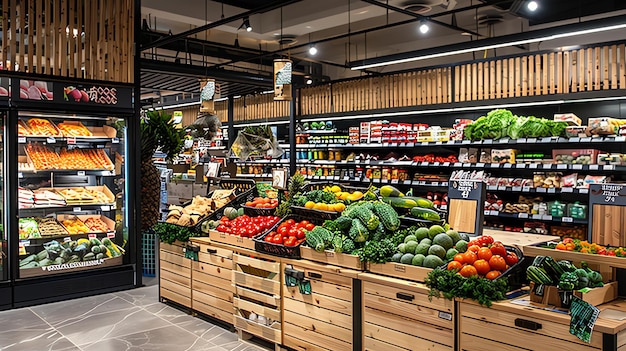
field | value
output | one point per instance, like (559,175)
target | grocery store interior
(302,175)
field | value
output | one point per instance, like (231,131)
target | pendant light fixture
(246,24)
(312,48)
(282,73)
(424,28)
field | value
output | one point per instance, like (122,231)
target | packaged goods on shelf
(547,179)
(485,156)
(557,209)
(503,156)
(605,125)
(458,127)
(611,159)
(569,118)
(535,228)
(353,135)
(577,210)
(577,132)
(468,155)
(575,156)
(569,231)
(433,134)
(589,179)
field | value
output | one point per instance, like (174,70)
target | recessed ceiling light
(424,28)
(532,6)
(309,81)
(312,50)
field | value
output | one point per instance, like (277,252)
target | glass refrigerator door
(4,274)
(71,201)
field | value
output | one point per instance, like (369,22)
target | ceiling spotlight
(309,81)
(246,24)
(312,50)
(424,28)
(532,6)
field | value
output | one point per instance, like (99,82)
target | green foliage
(158,132)
(502,123)
(169,233)
(449,284)
(377,251)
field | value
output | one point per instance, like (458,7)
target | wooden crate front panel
(226,295)
(272,333)
(241,260)
(249,294)
(500,326)
(175,248)
(607,225)
(472,343)
(181,279)
(166,256)
(257,308)
(408,324)
(409,296)
(213,280)
(400,308)
(401,339)
(297,335)
(212,311)
(211,300)
(208,250)
(216,260)
(370,344)
(322,314)
(300,345)
(268,286)
(105,53)
(167,293)
(216,271)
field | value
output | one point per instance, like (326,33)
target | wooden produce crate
(400,270)
(322,320)
(506,326)
(229,239)
(174,274)
(398,315)
(591,259)
(257,286)
(332,258)
(212,289)
(595,296)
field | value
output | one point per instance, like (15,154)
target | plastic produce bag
(256,141)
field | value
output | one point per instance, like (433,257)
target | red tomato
(486,239)
(497,263)
(268,238)
(469,257)
(291,241)
(277,239)
(492,275)
(459,258)
(302,224)
(468,271)
(283,230)
(310,226)
(455,265)
(474,248)
(300,234)
(498,248)
(482,267)
(289,222)
(484,254)
(511,258)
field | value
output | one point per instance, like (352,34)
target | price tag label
(20,175)
(239,239)
(501,187)
(385,144)
(424,164)
(457,164)
(465,164)
(376,180)
(77,209)
(609,167)
(537,216)
(561,166)
(345,179)
(546,217)
(516,188)
(494,213)
(507,165)
(446,164)
(436,164)
(115,140)
(316,177)
(438,143)
(546,166)
(407,182)
(425,143)
(522,215)
(488,141)
(526,189)
(402,144)
(492,187)
(71,140)
(578,167)
(81,173)
(567,190)
(444,184)
(567,219)
(533,166)
(336,178)
(585,140)
(583,191)
(465,142)
(546,140)
(594,167)
(541,190)
(67,239)
(487,212)
(329,253)
(505,140)
(51,140)
(520,165)
(531,140)
(394,181)
(24,243)
(21,140)
(480,165)
(620,139)
(551,190)
(595,140)
(92,236)
(410,144)
(105,208)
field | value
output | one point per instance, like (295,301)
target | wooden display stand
(398,315)
(465,207)
(174,274)
(212,290)
(324,319)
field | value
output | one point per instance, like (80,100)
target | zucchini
(421,202)
(31,264)
(90,256)
(94,242)
(538,275)
(552,268)
(46,262)
(42,255)
(400,202)
(390,191)
(99,256)
(425,213)
(58,260)
(28,260)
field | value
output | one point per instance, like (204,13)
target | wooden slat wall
(38,37)
(592,69)
(221,109)
(255,107)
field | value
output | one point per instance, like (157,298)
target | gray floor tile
(169,338)
(20,319)
(64,312)
(90,328)
(33,339)
(220,336)
(141,296)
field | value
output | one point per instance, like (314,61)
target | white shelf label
(457,164)
(577,167)
(620,138)
(465,164)
(92,236)
(522,215)
(594,167)
(436,164)
(609,167)
(20,175)
(71,140)
(410,144)
(105,208)
(546,140)
(526,189)
(438,143)
(494,213)
(537,216)
(111,235)
(508,165)
(551,190)
(394,181)
(51,140)
(480,165)
(567,190)
(541,190)
(425,143)
(77,209)
(407,182)
(115,140)
(574,140)
(531,140)
(584,191)
(546,166)
(561,166)
(21,140)
(501,187)
(567,219)
(67,239)
(486,213)
(446,164)
(424,164)
(585,140)
(488,141)
(533,166)
(81,173)
(385,144)
(520,165)
(465,142)
(346,179)
(516,188)
(546,217)
(336,178)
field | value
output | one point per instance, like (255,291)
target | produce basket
(310,213)
(278,249)
(253,211)
(239,200)
(309,186)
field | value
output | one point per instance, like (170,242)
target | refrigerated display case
(71,231)
(5,286)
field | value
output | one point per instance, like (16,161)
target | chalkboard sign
(605,210)
(466,202)
(607,194)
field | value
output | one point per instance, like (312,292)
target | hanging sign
(207,95)
(282,79)
(466,199)
(603,197)
(177,119)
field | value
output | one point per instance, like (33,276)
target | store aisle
(130,320)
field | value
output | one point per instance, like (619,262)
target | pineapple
(157,132)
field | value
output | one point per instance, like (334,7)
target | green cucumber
(399,202)
(425,213)
(421,202)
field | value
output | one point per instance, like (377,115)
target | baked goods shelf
(98,173)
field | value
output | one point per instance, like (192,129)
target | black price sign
(466,189)
(608,194)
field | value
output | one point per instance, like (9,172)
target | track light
(246,24)
(532,6)
(309,81)
(312,50)
(424,27)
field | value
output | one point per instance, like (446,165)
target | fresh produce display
(292,233)
(450,285)
(262,202)
(191,214)
(584,246)
(50,227)
(331,198)
(73,225)
(435,158)
(502,123)
(85,195)
(246,226)
(428,247)
(81,250)
(96,225)
(22,129)
(365,228)
(412,206)
(28,228)
(566,276)
(169,233)
(483,258)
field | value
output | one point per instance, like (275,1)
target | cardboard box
(568,118)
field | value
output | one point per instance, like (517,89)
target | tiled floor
(131,320)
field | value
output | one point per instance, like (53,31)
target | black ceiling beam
(416,15)
(261,9)
(200,71)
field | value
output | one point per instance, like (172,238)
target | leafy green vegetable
(502,123)
(568,281)
(449,284)
(169,233)
(376,251)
